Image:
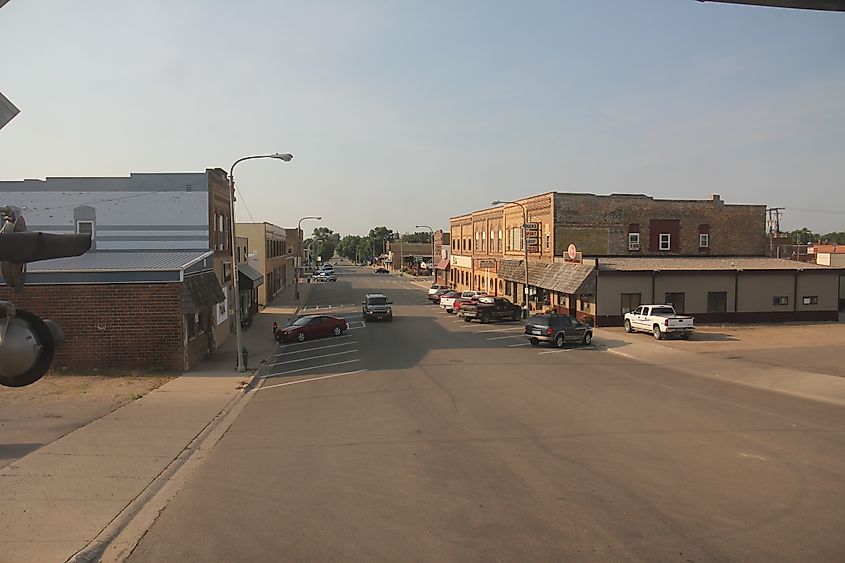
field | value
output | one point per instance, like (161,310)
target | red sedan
(311,326)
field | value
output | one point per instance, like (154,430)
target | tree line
(326,243)
(805,236)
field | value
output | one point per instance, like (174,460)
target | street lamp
(432,242)
(524,245)
(301,251)
(278,156)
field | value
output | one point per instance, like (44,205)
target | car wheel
(685,336)
(515,316)
(560,341)
(657,334)
(485,319)
(300,337)
(390,318)
(467,320)
(628,326)
(534,341)
(337,330)
(588,337)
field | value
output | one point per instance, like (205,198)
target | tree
(378,236)
(325,242)
(422,236)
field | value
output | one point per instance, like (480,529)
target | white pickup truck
(660,320)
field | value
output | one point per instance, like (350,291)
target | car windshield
(302,321)
(377,301)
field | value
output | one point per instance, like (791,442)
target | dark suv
(557,330)
(376,306)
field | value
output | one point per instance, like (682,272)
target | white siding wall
(141,212)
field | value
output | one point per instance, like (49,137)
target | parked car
(485,309)
(435,287)
(660,320)
(311,326)
(376,306)
(557,330)
(323,277)
(448,303)
(448,295)
(435,297)
(326,268)
(381,271)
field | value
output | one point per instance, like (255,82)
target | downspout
(795,297)
(736,291)
(653,282)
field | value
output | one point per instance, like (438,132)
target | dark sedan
(311,326)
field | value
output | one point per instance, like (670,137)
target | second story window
(85,228)
(665,241)
(633,241)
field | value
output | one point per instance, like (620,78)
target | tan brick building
(268,245)
(638,231)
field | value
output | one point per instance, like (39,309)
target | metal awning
(443,264)
(201,292)
(249,277)
(574,279)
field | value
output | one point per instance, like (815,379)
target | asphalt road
(431,439)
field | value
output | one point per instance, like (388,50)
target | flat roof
(122,261)
(704,263)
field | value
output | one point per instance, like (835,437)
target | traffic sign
(8,111)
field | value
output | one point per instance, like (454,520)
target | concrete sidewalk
(640,347)
(73,497)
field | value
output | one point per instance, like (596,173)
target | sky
(402,112)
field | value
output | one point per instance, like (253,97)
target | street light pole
(237,297)
(301,251)
(432,243)
(524,245)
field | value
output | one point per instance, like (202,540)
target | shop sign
(485,263)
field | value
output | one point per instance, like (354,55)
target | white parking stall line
(308,369)
(553,352)
(515,345)
(311,379)
(354,325)
(504,337)
(286,345)
(313,357)
(509,329)
(316,348)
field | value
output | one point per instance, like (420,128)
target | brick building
(145,310)
(267,243)
(644,238)
(149,212)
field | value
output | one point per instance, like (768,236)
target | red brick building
(126,310)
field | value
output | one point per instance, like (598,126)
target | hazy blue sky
(408,112)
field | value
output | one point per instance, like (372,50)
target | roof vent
(715,198)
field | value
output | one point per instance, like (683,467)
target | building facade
(268,244)
(149,212)
(144,310)
(596,257)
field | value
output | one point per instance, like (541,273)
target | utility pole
(774,227)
